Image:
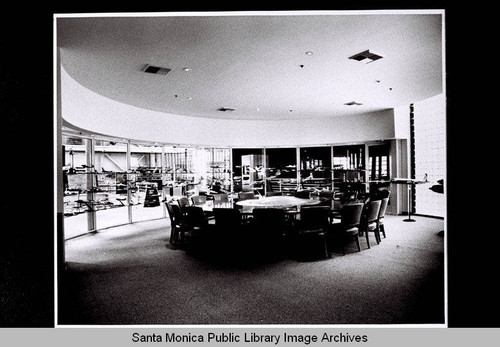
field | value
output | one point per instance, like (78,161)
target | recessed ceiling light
(353,103)
(366,55)
(309,53)
(226,109)
(156,70)
(186,69)
(189,98)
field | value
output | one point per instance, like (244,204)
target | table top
(278,202)
(407,181)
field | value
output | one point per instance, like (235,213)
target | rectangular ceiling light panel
(156,70)
(366,55)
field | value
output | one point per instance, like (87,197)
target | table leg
(409,219)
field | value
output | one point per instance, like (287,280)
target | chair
(270,229)
(177,233)
(273,193)
(227,220)
(183,203)
(220,199)
(228,230)
(327,197)
(348,197)
(369,220)
(198,199)
(313,224)
(196,222)
(327,194)
(381,215)
(246,196)
(348,228)
(303,194)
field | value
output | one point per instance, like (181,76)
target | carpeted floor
(131,276)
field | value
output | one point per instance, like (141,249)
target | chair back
(302,194)
(350,215)
(326,194)
(348,197)
(170,211)
(383,208)
(314,217)
(183,202)
(227,217)
(195,218)
(220,198)
(269,218)
(372,211)
(177,212)
(198,199)
(246,195)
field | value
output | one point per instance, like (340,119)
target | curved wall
(88,110)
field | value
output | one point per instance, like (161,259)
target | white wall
(85,109)
(430,154)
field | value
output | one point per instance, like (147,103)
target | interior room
(251,168)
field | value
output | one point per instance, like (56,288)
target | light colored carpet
(130,276)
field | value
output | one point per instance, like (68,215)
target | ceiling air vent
(226,109)
(156,70)
(353,103)
(366,55)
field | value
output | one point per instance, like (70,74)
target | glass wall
(145,182)
(110,163)
(78,186)
(315,167)
(109,183)
(349,171)
(248,166)
(282,171)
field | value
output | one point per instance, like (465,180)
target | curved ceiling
(262,65)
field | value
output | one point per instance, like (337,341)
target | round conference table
(277,202)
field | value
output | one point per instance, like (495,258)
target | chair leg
(382,229)
(174,236)
(367,238)
(327,255)
(357,243)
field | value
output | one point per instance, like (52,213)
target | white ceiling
(252,61)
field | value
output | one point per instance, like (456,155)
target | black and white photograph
(251,168)
(224,176)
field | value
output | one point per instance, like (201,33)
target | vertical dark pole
(412,156)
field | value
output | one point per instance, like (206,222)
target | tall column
(89,153)
(297,153)
(231,168)
(59,194)
(129,193)
(331,169)
(264,168)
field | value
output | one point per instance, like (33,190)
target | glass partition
(77,181)
(249,169)
(110,162)
(379,166)
(315,167)
(281,173)
(145,182)
(349,171)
